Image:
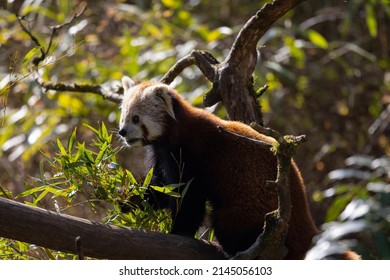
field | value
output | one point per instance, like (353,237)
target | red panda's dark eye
(135,119)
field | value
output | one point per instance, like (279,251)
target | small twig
(109,95)
(112,96)
(58,27)
(33,38)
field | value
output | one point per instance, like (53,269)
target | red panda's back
(241,197)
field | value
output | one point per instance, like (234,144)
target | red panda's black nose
(122,132)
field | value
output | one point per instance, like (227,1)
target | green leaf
(371,21)
(101,153)
(88,156)
(31,191)
(173,4)
(148,178)
(104,131)
(61,147)
(169,189)
(317,39)
(42,172)
(338,206)
(183,193)
(42,195)
(80,151)
(92,128)
(133,181)
(71,140)
(31,53)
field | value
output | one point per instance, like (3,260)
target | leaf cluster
(89,174)
(360,208)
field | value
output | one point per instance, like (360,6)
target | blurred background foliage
(326,64)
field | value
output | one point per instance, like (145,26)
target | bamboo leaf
(61,147)
(133,181)
(92,128)
(31,54)
(101,153)
(148,178)
(31,191)
(71,140)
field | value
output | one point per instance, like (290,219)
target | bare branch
(112,96)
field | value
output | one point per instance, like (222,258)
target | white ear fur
(167,98)
(127,82)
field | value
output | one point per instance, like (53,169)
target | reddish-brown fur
(229,172)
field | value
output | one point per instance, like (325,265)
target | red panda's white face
(144,110)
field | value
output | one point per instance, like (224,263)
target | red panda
(187,145)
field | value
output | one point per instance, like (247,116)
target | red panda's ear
(127,83)
(165,95)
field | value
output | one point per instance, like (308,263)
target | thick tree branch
(59,232)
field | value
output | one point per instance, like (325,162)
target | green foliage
(16,250)
(360,208)
(88,173)
(93,173)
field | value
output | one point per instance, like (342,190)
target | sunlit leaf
(133,181)
(92,128)
(101,153)
(61,147)
(378,187)
(371,21)
(338,206)
(31,53)
(71,140)
(148,178)
(31,191)
(341,174)
(317,39)
(359,161)
(169,189)
(173,4)
(357,208)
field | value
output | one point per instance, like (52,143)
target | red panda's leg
(191,211)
